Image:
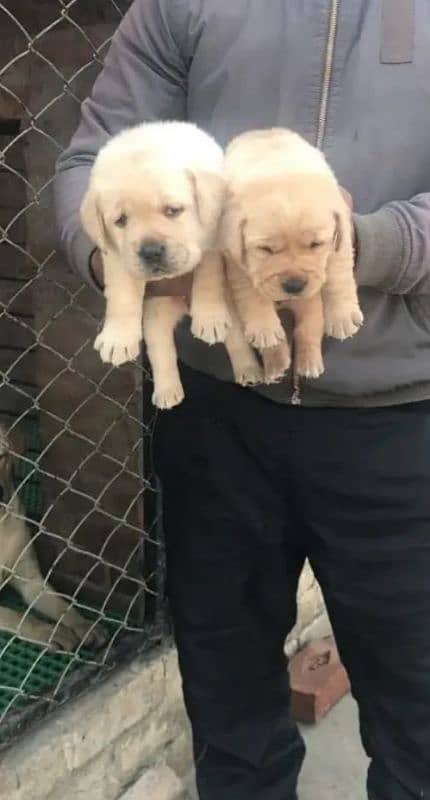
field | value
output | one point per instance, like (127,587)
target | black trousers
(250,489)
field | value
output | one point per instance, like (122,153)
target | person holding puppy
(252,484)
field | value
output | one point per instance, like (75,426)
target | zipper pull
(296,399)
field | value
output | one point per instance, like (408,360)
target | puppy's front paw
(248,373)
(118,344)
(88,632)
(342,323)
(276,362)
(167,395)
(211,325)
(309,361)
(59,638)
(263,337)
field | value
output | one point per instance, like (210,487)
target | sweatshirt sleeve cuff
(379,249)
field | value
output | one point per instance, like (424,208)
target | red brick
(318,680)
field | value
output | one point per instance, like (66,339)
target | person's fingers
(96,268)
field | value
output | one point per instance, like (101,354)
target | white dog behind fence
(19,568)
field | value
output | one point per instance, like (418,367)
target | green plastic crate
(26,671)
(26,674)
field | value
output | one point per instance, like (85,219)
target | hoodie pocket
(397,32)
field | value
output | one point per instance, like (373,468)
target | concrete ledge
(159,783)
(99,744)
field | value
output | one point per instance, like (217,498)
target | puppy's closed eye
(264,248)
(315,245)
(121,221)
(173,211)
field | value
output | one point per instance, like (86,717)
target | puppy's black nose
(293,285)
(153,253)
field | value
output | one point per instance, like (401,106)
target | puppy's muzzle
(293,286)
(153,256)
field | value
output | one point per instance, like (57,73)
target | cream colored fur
(286,224)
(159,183)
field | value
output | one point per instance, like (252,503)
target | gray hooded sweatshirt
(353,77)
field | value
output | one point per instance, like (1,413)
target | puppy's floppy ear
(93,221)
(338,232)
(241,233)
(343,232)
(232,232)
(208,193)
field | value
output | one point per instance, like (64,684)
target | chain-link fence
(79,564)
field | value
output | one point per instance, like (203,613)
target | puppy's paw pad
(117,345)
(91,634)
(309,364)
(63,639)
(211,326)
(343,325)
(96,636)
(166,397)
(263,338)
(277,361)
(249,375)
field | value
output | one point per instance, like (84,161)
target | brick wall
(16,296)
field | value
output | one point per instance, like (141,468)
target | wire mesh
(79,571)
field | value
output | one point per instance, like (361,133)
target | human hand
(96,268)
(173,287)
